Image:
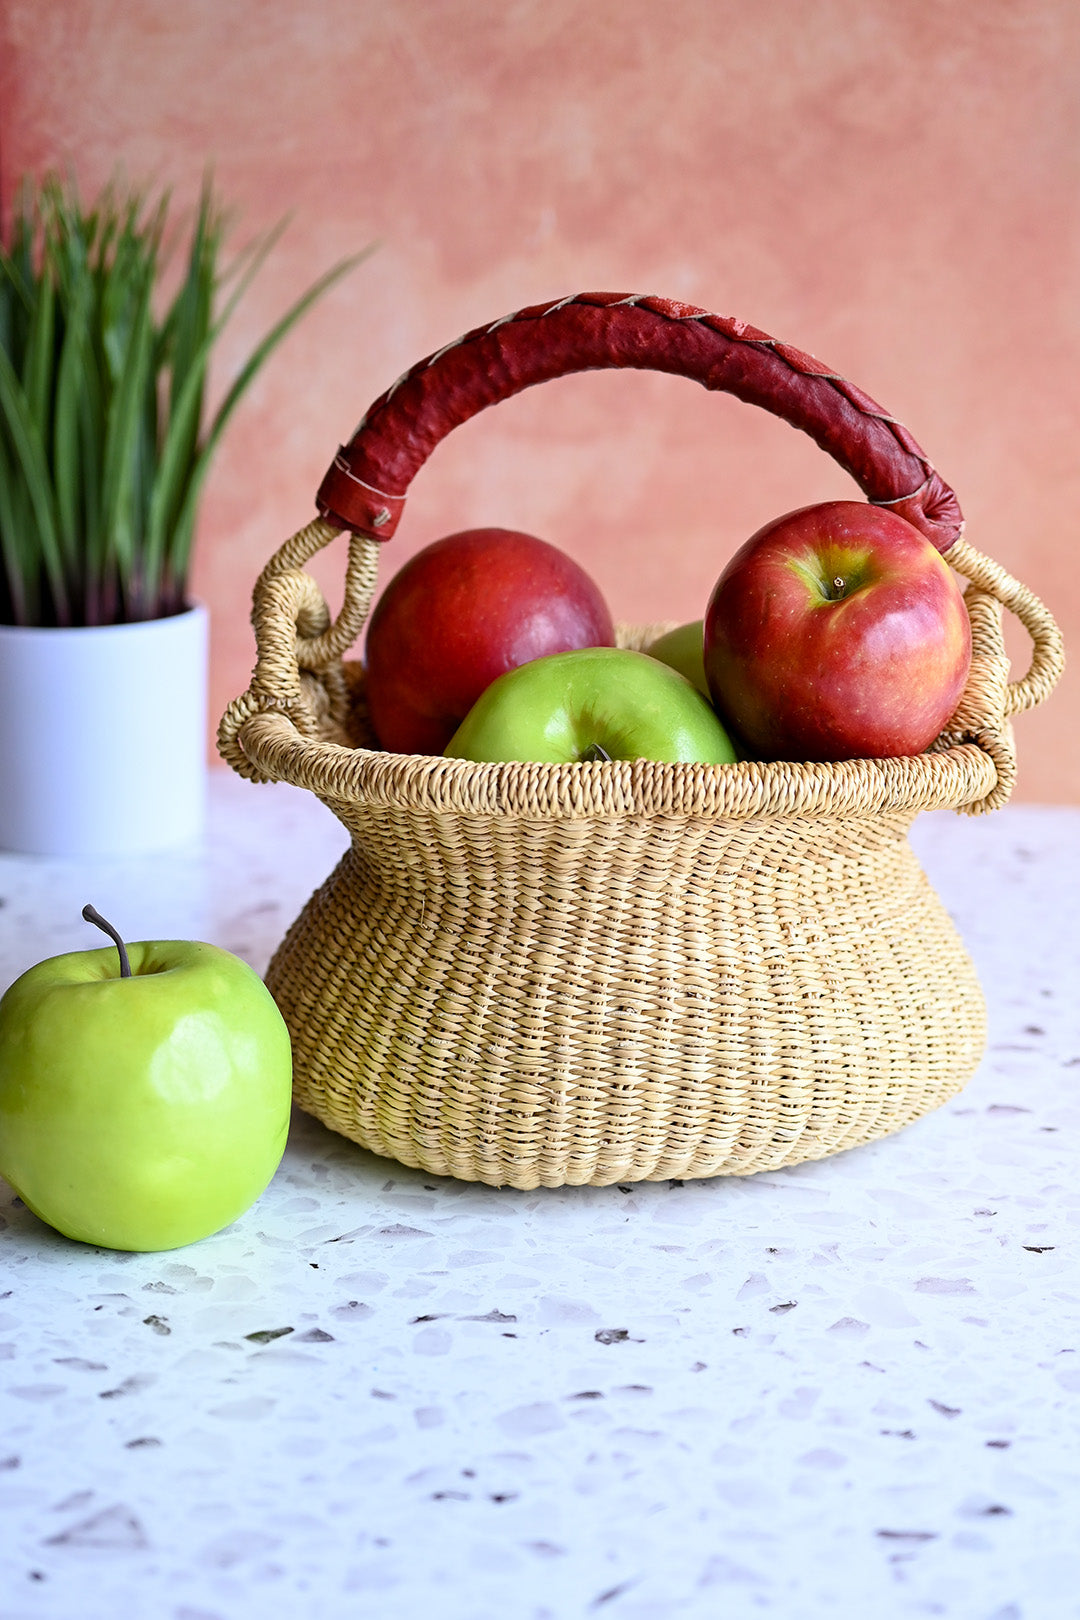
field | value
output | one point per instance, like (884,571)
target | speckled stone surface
(846,1389)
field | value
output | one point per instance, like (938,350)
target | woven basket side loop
(299,671)
(299,549)
(1048,650)
(321,644)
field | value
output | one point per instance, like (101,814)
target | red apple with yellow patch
(837,632)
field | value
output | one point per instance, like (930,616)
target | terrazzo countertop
(845,1389)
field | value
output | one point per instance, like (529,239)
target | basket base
(625,1000)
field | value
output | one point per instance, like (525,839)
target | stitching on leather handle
(730,328)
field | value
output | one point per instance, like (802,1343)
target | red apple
(837,632)
(461,613)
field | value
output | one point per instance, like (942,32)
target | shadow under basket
(529,974)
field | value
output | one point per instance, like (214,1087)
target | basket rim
(948,778)
(291,725)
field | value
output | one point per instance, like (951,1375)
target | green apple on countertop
(684,649)
(592,703)
(145,1091)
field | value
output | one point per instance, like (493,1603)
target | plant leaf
(104,449)
(180,550)
(131,372)
(30,451)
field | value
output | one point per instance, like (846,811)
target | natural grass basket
(532,974)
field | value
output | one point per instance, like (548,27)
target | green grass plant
(106,437)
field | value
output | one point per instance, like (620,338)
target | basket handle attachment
(365,486)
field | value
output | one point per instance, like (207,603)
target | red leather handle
(365,487)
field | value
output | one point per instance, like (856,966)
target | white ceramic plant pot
(103,737)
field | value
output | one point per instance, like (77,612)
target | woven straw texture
(545,975)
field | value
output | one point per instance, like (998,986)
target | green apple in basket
(684,649)
(145,1092)
(592,703)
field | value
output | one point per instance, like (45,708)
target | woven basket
(531,974)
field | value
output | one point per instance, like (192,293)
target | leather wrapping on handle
(365,487)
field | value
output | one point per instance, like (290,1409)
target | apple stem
(595,752)
(92,915)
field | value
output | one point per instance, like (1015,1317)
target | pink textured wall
(890,184)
